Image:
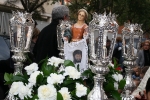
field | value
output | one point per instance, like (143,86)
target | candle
(104,43)
(18,32)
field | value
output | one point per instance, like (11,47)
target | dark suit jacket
(46,45)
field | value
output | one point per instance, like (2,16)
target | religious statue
(75,41)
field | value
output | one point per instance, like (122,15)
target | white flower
(14,90)
(31,68)
(117,77)
(111,64)
(116,85)
(55,79)
(65,93)
(47,92)
(18,88)
(33,76)
(24,91)
(55,61)
(81,90)
(72,72)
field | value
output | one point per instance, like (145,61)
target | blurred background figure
(46,44)
(117,53)
(144,55)
(108,44)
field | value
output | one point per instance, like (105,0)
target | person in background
(144,55)
(46,45)
(35,35)
(108,44)
(146,95)
(117,53)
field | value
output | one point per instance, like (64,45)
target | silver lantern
(130,33)
(99,28)
(21,29)
(63,25)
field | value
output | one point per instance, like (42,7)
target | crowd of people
(44,44)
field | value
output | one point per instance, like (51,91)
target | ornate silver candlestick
(21,28)
(60,32)
(130,31)
(101,25)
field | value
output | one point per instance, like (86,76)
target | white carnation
(111,64)
(55,79)
(65,93)
(31,68)
(55,61)
(14,90)
(72,72)
(18,88)
(81,90)
(24,91)
(47,92)
(117,77)
(33,76)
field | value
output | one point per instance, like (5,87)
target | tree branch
(40,4)
(33,6)
(23,4)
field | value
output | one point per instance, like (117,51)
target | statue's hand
(65,38)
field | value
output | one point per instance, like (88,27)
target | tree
(135,11)
(29,6)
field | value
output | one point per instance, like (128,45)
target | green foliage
(41,79)
(59,96)
(135,11)
(68,82)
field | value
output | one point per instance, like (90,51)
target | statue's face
(81,16)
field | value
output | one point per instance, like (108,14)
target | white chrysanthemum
(55,61)
(31,68)
(14,90)
(24,91)
(116,85)
(65,93)
(72,72)
(111,64)
(47,92)
(117,77)
(81,90)
(55,78)
(33,76)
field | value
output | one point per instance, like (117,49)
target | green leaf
(48,69)
(109,87)
(7,77)
(59,96)
(67,82)
(19,78)
(116,95)
(122,84)
(68,63)
(8,83)
(39,79)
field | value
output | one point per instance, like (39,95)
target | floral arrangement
(56,80)
(114,82)
(59,79)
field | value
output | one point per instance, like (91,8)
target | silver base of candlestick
(61,54)
(127,97)
(98,92)
(129,86)
(19,58)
